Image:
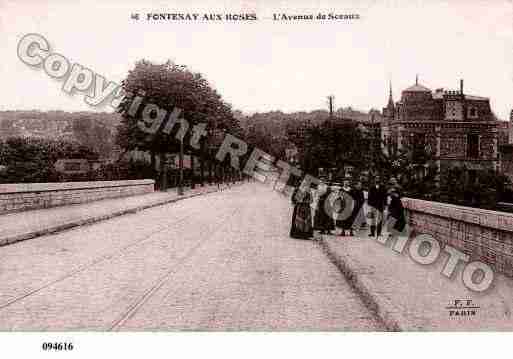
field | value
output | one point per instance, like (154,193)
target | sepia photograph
(302,167)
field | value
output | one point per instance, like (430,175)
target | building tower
(389,111)
(390,98)
(388,117)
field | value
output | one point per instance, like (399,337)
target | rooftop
(417,88)
(439,95)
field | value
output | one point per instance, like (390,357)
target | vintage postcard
(256,166)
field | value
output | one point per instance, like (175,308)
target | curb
(381,307)
(94,219)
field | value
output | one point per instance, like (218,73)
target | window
(472,112)
(419,146)
(473,145)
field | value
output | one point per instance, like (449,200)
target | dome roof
(417,88)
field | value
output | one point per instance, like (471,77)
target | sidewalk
(20,226)
(411,297)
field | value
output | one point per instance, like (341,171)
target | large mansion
(458,128)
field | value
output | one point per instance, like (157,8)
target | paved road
(221,261)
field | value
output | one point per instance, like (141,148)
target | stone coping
(483,217)
(13,188)
(443,122)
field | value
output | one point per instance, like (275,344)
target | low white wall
(15,197)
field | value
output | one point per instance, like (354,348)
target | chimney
(461,86)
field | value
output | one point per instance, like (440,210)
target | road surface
(221,261)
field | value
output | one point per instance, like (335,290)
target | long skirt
(357,218)
(322,220)
(395,225)
(301,221)
(347,222)
(396,220)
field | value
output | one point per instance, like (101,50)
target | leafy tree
(93,134)
(413,166)
(334,145)
(483,191)
(170,86)
(32,159)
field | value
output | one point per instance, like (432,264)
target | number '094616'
(47,346)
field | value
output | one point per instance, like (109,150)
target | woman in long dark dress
(357,216)
(396,219)
(302,216)
(323,220)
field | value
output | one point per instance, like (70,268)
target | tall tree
(333,145)
(413,165)
(169,86)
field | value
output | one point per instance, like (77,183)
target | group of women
(336,207)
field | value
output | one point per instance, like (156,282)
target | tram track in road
(148,293)
(96,261)
(259,280)
(223,262)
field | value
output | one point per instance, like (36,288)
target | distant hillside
(92,129)
(270,130)
(97,130)
(277,123)
(359,116)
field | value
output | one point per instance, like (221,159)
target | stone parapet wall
(27,196)
(482,234)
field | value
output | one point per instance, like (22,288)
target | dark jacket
(300,196)
(323,219)
(359,200)
(358,197)
(396,210)
(377,197)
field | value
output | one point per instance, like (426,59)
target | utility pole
(180,183)
(202,161)
(164,172)
(331,100)
(192,170)
(212,168)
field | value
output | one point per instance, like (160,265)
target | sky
(267,65)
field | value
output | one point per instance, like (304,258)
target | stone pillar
(438,145)
(400,137)
(385,134)
(496,163)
